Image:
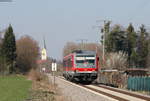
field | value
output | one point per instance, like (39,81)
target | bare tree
(27,53)
(71,46)
(116,61)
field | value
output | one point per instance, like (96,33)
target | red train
(81,65)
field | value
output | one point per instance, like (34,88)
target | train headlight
(76,71)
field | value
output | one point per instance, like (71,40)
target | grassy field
(14,88)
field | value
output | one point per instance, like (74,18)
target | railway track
(117,94)
(111,93)
(147,98)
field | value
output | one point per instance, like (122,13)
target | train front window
(85,62)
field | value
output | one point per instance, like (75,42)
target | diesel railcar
(81,65)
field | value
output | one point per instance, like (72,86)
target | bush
(35,75)
(116,61)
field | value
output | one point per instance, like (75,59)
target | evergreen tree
(131,44)
(142,47)
(116,39)
(9,49)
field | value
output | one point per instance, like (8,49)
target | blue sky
(61,21)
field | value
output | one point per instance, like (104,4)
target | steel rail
(125,92)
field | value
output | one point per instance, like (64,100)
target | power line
(83,41)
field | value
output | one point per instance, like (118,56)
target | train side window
(69,63)
(64,63)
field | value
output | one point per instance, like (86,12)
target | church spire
(44,42)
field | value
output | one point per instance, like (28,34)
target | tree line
(72,46)
(136,44)
(124,47)
(17,56)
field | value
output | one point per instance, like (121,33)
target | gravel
(74,93)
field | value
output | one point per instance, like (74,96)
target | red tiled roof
(41,61)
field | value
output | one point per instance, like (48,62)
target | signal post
(54,69)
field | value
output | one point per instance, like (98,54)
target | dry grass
(34,75)
(43,89)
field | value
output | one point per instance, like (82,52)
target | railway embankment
(94,92)
(75,92)
(42,89)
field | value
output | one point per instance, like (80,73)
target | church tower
(44,52)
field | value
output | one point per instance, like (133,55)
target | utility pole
(104,31)
(54,69)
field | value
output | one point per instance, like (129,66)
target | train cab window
(85,61)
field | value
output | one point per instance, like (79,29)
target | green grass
(14,88)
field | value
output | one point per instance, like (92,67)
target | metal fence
(138,83)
